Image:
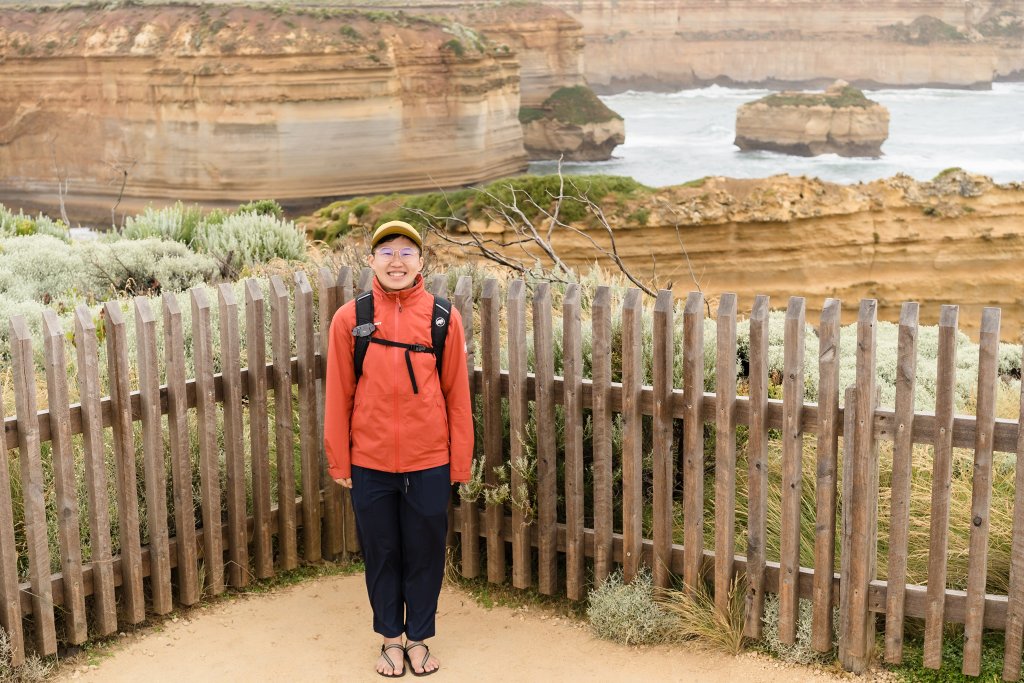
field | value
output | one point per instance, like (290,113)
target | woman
(399,434)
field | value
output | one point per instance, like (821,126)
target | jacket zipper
(394,382)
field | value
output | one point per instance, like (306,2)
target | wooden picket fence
(258,540)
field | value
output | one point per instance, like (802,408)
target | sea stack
(840,120)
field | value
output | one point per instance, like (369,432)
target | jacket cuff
(340,472)
(460,477)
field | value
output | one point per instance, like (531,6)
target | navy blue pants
(402,521)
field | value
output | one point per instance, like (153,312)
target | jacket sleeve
(340,394)
(455,386)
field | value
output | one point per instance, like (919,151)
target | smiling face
(394,272)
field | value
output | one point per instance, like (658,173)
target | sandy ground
(320,631)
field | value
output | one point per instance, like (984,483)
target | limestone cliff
(839,121)
(227,103)
(572,124)
(906,43)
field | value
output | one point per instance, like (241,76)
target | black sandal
(423,664)
(384,653)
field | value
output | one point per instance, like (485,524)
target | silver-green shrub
(19,224)
(177,223)
(802,651)
(142,266)
(627,612)
(245,239)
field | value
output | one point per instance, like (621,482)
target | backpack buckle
(364,330)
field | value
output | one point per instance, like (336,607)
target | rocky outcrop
(572,124)
(906,43)
(839,121)
(228,103)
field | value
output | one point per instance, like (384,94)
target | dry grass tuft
(695,616)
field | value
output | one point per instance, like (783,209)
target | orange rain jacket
(380,423)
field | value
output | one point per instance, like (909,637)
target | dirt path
(320,631)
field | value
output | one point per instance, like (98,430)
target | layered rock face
(224,104)
(687,43)
(839,121)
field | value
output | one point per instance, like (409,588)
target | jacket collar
(405,296)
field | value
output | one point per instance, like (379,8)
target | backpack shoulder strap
(364,314)
(439,328)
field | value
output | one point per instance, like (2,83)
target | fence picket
(632,434)
(981,489)
(33,497)
(470,518)
(601,368)
(792,469)
(206,428)
(180,453)
(902,451)
(518,410)
(693,439)
(10,593)
(259,428)
(234,454)
(284,438)
(494,459)
(846,523)
(945,385)
(725,450)
(103,590)
(547,455)
(350,539)
(572,361)
(664,477)
(757,467)
(365,280)
(1014,638)
(864,502)
(825,482)
(66,498)
(333,524)
(132,601)
(305,340)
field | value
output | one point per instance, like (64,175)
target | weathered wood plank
(284,437)
(33,497)
(259,428)
(329,296)
(350,538)
(547,455)
(66,499)
(104,602)
(725,450)
(10,609)
(365,280)
(437,285)
(206,432)
(906,380)
(1014,637)
(757,467)
(518,410)
(494,458)
(792,469)
(693,439)
(572,361)
(470,517)
(133,606)
(305,340)
(664,476)
(180,452)
(601,411)
(981,489)
(825,480)
(846,523)
(945,385)
(632,433)
(864,503)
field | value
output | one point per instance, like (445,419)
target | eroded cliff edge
(211,104)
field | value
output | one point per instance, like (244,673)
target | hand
(347,483)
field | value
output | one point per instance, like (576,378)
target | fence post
(547,455)
(10,593)
(693,440)
(494,457)
(945,385)
(856,654)
(632,434)
(792,469)
(468,512)
(259,428)
(902,452)
(284,437)
(725,450)
(664,476)
(757,467)
(1014,638)
(601,367)
(572,361)
(518,410)
(305,340)
(350,539)
(333,524)
(825,482)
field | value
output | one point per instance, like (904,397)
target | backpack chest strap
(418,348)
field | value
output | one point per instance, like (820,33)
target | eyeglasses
(405,253)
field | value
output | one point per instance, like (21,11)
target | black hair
(390,238)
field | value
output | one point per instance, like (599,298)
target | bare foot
(420,659)
(391,662)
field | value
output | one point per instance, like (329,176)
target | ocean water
(675,137)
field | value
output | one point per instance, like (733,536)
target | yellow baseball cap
(396,228)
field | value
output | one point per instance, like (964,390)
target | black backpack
(365,327)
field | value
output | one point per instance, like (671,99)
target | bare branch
(62,182)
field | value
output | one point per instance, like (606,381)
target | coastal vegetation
(847,96)
(577,105)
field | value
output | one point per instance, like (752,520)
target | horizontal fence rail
(248,503)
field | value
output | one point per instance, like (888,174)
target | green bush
(176,222)
(627,613)
(245,239)
(262,207)
(143,266)
(21,225)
